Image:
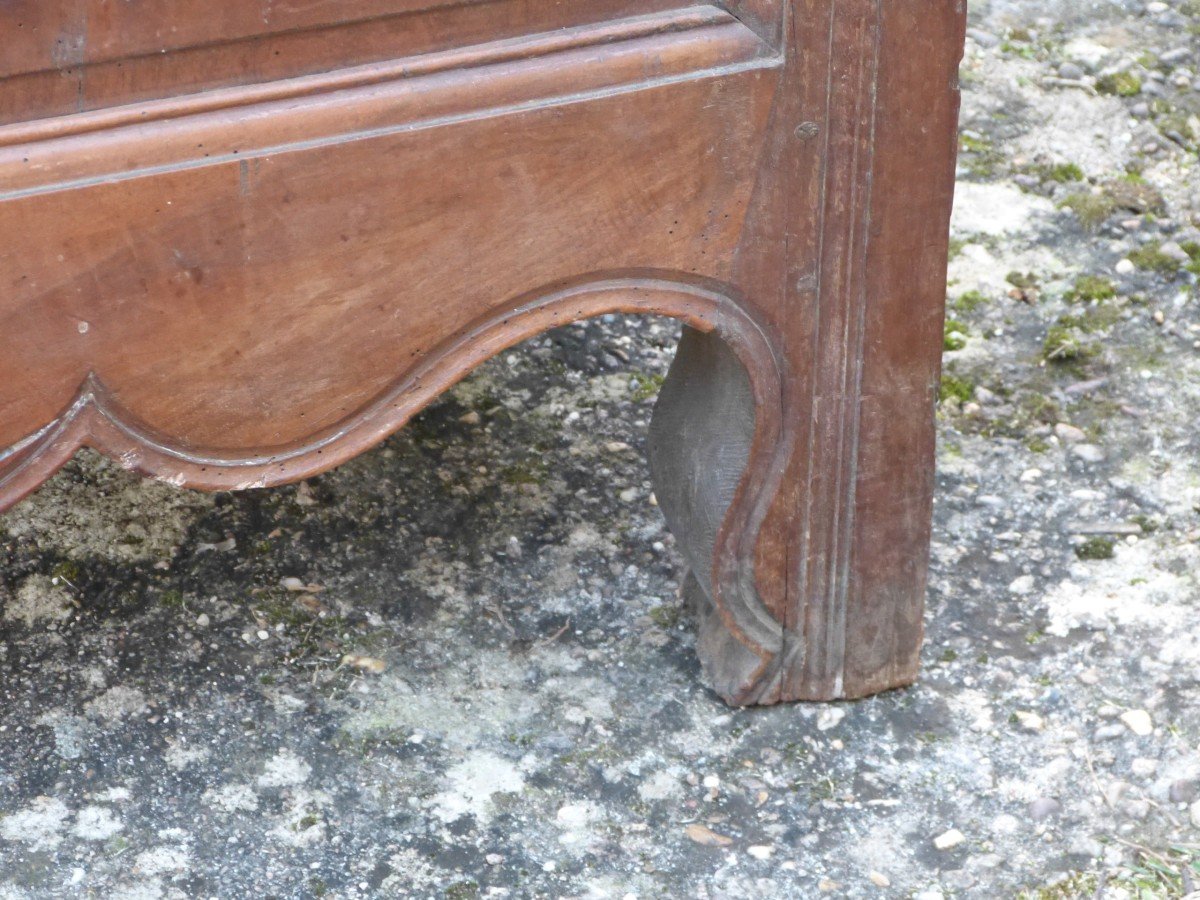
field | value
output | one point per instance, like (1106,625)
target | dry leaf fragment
(366,663)
(705,836)
(295,584)
(311,603)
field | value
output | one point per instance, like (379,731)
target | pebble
(1090,453)
(983,38)
(879,879)
(1125,267)
(949,839)
(1194,813)
(574,815)
(1184,790)
(203,621)
(1043,808)
(1138,721)
(1069,433)
(1116,792)
(760,851)
(829,717)
(1021,586)
(1143,767)
(1030,721)
(1172,250)
(1005,824)
(1070,70)
(1085,846)
(986,397)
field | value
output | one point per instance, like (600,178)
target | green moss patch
(1090,288)
(1095,548)
(955,388)
(1119,84)
(954,335)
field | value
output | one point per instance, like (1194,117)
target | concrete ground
(457,667)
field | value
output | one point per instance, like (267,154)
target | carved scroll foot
(786,609)
(701,439)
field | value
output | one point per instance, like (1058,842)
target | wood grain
(244,243)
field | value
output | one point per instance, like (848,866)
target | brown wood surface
(241,242)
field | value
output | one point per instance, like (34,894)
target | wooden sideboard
(242,241)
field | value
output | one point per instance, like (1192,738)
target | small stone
(1143,767)
(1125,267)
(628,495)
(1070,70)
(879,879)
(1030,721)
(1172,250)
(830,717)
(760,851)
(1138,721)
(471,418)
(1108,733)
(203,621)
(1116,792)
(949,839)
(983,38)
(712,781)
(1085,846)
(986,397)
(1021,586)
(1043,808)
(574,815)
(1005,824)
(1069,433)
(1194,813)
(1089,453)
(1184,790)
(826,885)
(705,836)
(1136,809)
(262,634)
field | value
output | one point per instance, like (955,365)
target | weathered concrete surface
(176,719)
